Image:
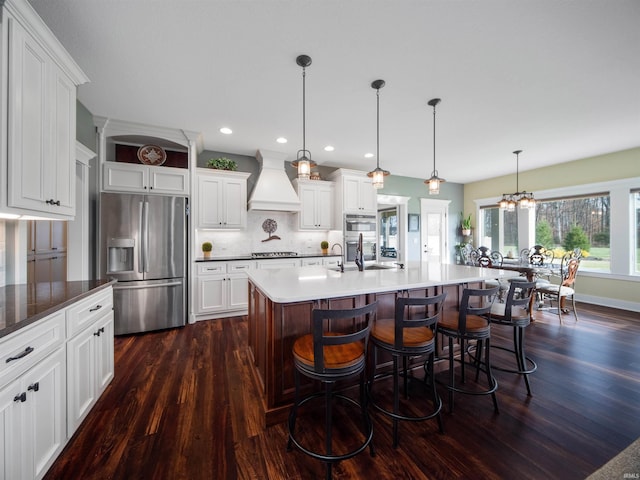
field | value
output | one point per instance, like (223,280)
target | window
(564,224)
(499,230)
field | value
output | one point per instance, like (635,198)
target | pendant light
(303,160)
(435,181)
(523,199)
(378,174)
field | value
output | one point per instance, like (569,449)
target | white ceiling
(558,79)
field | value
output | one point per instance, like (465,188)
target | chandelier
(378,174)
(435,181)
(524,199)
(303,161)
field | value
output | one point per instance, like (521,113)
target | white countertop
(286,285)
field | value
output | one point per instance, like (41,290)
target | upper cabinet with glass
(38,166)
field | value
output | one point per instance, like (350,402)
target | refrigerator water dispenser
(120,255)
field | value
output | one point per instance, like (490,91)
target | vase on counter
(206,254)
(325,251)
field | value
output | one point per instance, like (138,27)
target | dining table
(531,272)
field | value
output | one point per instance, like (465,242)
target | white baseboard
(609,302)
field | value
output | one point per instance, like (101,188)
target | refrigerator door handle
(145,237)
(140,247)
(153,285)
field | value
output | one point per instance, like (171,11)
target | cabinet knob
(34,386)
(21,397)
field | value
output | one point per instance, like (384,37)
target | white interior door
(434,215)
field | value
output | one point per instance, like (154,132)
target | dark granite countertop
(249,257)
(24,304)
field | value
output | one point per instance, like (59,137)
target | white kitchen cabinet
(221,288)
(32,398)
(331,262)
(316,198)
(355,193)
(89,354)
(41,117)
(305,262)
(131,177)
(221,199)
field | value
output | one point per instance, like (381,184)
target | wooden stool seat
(336,357)
(384,332)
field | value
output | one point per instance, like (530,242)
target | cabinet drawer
(23,349)
(211,268)
(239,267)
(83,313)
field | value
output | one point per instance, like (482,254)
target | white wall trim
(608,302)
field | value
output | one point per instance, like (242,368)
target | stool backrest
(519,294)
(475,301)
(405,315)
(362,319)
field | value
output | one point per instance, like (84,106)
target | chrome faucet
(341,264)
(360,254)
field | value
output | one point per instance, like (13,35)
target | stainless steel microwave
(354,224)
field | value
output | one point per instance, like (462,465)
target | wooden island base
(273,328)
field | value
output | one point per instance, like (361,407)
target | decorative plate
(152,155)
(269,225)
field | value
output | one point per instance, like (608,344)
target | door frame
(439,206)
(400,202)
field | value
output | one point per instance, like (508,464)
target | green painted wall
(416,189)
(601,168)
(85,129)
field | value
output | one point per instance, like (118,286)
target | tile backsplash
(252,239)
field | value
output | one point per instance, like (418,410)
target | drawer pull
(34,386)
(97,307)
(99,331)
(21,397)
(26,352)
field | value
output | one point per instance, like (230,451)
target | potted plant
(222,163)
(324,245)
(206,249)
(465,223)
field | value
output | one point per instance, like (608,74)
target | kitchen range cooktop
(273,254)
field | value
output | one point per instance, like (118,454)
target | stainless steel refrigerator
(143,246)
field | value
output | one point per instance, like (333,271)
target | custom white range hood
(273,190)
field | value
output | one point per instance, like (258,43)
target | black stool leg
(294,410)
(490,377)
(396,400)
(432,382)
(451,374)
(523,358)
(328,415)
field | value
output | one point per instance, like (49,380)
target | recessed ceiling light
(281,140)
(226,130)
(329,148)
(368,155)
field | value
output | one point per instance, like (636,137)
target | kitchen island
(281,301)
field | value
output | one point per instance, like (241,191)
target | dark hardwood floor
(183,405)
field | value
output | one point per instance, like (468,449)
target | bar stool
(408,337)
(466,324)
(513,313)
(329,355)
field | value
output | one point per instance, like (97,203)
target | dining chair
(465,324)
(484,257)
(409,334)
(565,288)
(329,355)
